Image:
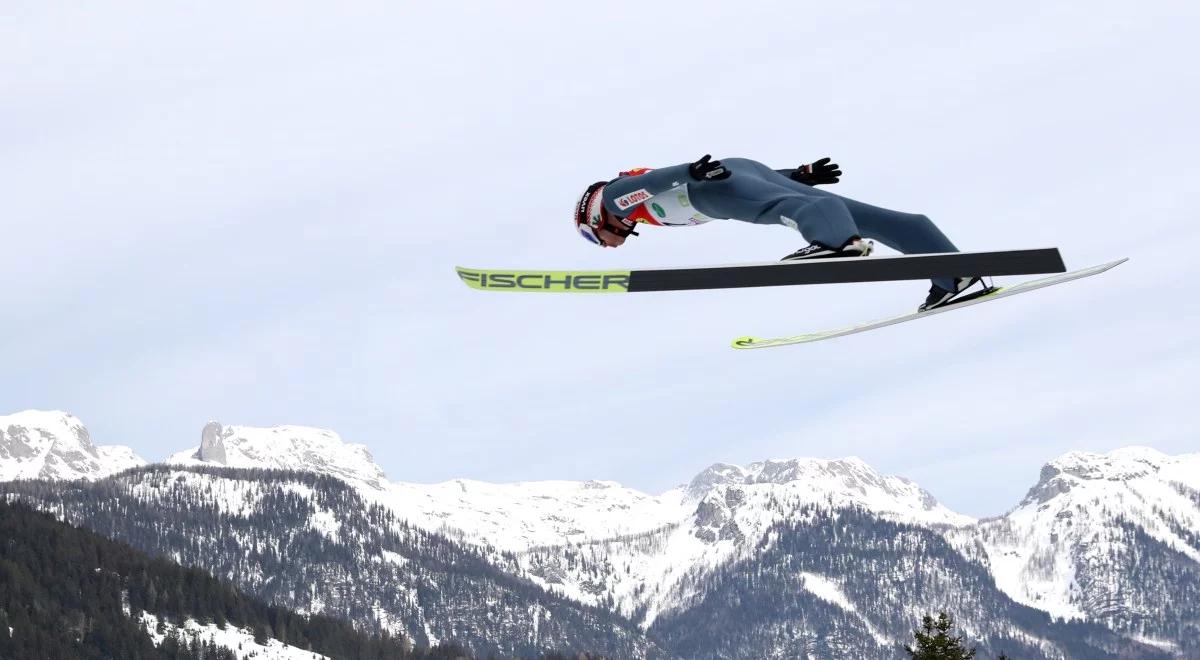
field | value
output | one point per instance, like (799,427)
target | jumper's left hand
(707,169)
(821,171)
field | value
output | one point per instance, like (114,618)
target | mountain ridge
(52,444)
(1102,537)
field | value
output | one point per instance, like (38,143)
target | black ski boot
(939,297)
(855,247)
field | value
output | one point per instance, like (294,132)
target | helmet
(588,212)
(590,216)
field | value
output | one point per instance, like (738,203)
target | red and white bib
(671,208)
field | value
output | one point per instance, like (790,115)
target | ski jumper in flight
(746,190)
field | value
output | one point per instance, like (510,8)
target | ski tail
(991,294)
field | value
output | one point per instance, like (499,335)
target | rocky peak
(1074,468)
(51,444)
(212,446)
(284,448)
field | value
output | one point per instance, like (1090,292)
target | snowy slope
(284,448)
(522,515)
(842,482)
(720,516)
(50,444)
(1066,548)
(1112,538)
(639,548)
(315,545)
(239,640)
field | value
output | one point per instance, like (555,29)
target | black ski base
(852,269)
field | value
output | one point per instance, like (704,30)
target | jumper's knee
(917,220)
(824,219)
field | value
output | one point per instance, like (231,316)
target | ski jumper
(758,194)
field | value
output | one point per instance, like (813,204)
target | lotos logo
(632,199)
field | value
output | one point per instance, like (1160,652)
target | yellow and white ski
(999,292)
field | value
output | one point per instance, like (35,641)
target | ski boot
(855,247)
(939,297)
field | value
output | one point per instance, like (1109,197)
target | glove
(708,170)
(821,171)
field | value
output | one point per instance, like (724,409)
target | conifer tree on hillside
(935,641)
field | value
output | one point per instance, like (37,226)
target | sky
(251,213)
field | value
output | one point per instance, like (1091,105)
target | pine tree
(934,641)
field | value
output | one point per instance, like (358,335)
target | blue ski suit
(758,194)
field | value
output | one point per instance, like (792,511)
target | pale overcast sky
(251,213)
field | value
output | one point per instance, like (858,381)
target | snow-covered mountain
(719,517)
(1103,539)
(1106,537)
(825,581)
(315,544)
(520,516)
(284,448)
(50,444)
(842,482)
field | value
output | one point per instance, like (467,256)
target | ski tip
(746,342)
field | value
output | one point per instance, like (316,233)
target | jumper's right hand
(708,170)
(817,172)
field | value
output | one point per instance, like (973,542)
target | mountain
(823,581)
(316,545)
(718,517)
(284,448)
(41,444)
(69,593)
(841,582)
(1110,537)
(1099,560)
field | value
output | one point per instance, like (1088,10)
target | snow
(639,547)
(1163,644)
(394,557)
(51,444)
(239,640)
(522,515)
(325,523)
(829,591)
(232,496)
(842,482)
(284,448)
(717,518)
(1069,519)
(825,589)
(117,458)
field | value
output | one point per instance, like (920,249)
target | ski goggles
(587,232)
(590,217)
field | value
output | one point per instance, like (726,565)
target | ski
(993,294)
(775,273)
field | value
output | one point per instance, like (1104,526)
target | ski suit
(758,194)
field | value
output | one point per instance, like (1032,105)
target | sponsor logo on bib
(632,199)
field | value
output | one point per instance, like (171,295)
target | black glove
(822,171)
(708,170)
